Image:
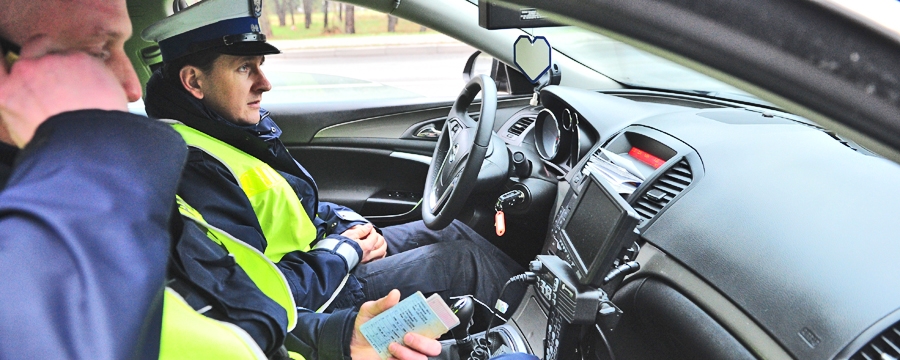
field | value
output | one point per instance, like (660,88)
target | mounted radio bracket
(573,306)
(575,303)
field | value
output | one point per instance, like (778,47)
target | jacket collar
(166,101)
(265,129)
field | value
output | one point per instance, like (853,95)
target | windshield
(629,65)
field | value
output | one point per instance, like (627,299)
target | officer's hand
(372,243)
(377,247)
(44,83)
(414,346)
(358,232)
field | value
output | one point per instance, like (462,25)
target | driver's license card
(429,317)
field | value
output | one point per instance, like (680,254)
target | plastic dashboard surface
(789,224)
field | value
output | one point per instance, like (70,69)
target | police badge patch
(256,8)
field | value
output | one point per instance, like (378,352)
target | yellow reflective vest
(269,194)
(187,334)
(284,223)
(267,277)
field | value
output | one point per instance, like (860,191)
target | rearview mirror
(494,16)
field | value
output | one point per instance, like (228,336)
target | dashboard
(758,234)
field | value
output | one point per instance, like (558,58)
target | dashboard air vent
(884,346)
(519,127)
(664,189)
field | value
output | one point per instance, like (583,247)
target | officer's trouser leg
(450,262)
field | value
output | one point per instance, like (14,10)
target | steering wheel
(459,154)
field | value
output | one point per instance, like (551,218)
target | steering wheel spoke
(468,121)
(443,192)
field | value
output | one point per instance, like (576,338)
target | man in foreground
(84,213)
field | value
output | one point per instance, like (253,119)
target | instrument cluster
(562,136)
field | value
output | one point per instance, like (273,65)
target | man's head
(230,85)
(96,27)
(214,51)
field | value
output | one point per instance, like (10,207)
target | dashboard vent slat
(891,344)
(652,207)
(672,182)
(883,346)
(682,168)
(670,186)
(643,212)
(519,127)
(684,179)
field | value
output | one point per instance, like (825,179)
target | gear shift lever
(464,309)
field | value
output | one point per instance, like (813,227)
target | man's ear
(191,80)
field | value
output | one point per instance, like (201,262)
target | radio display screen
(600,224)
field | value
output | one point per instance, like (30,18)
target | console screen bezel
(620,235)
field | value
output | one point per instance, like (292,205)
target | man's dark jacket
(84,237)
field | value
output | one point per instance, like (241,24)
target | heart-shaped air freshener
(532,56)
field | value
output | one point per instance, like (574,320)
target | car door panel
(302,122)
(368,158)
(359,156)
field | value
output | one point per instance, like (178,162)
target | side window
(333,51)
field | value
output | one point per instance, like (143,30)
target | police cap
(228,27)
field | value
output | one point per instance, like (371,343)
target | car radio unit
(592,231)
(592,228)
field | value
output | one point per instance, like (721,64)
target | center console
(592,247)
(593,231)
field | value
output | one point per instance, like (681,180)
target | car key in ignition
(509,199)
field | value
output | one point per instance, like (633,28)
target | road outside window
(349,53)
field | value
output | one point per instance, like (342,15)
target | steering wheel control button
(454,128)
(453,151)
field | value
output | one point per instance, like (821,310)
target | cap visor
(250,48)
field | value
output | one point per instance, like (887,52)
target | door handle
(428,131)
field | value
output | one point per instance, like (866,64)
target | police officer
(242,179)
(84,213)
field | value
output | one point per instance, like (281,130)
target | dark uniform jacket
(84,237)
(210,187)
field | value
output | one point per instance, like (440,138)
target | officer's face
(97,27)
(234,88)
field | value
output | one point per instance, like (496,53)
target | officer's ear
(191,80)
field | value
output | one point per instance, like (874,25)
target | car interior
(661,223)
